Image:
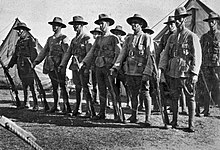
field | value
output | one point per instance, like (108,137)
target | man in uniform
(210,43)
(53,52)
(118,31)
(105,50)
(182,60)
(137,53)
(96,33)
(79,47)
(25,52)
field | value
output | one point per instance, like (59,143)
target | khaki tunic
(53,52)
(136,53)
(24,50)
(104,51)
(79,47)
(182,56)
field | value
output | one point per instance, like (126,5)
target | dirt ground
(60,132)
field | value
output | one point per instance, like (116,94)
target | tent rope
(168,14)
(6,27)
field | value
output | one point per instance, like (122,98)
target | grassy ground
(59,132)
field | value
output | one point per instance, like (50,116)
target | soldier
(96,33)
(79,47)
(25,52)
(53,52)
(118,31)
(137,54)
(210,43)
(181,59)
(105,51)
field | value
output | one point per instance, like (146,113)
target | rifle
(39,84)
(21,133)
(207,88)
(163,111)
(13,87)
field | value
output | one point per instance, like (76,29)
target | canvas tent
(7,49)
(194,22)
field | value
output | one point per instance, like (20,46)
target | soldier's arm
(197,55)
(42,53)
(33,49)
(117,49)
(67,52)
(89,56)
(164,56)
(150,53)
(120,59)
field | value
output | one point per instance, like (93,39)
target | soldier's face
(179,21)
(95,35)
(136,25)
(171,26)
(103,25)
(213,24)
(77,27)
(56,28)
(21,33)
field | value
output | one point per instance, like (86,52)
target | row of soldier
(134,62)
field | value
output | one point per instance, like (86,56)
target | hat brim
(129,20)
(214,18)
(169,22)
(183,15)
(57,24)
(78,22)
(111,21)
(122,33)
(22,27)
(149,31)
(93,31)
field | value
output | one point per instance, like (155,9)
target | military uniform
(136,53)
(181,60)
(105,51)
(53,52)
(79,47)
(25,51)
(210,43)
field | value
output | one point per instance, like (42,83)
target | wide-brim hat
(118,28)
(96,30)
(212,16)
(78,20)
(22,26)
(171,19)
(104,17)
(148,30)
(57,21)
(181,12)
(137,17)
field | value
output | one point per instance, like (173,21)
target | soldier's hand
(82,66)
(113,72)
(194,78)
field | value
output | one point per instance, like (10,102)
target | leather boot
(191,108)
(175,107)
(147,103)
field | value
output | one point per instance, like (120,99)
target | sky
(37,13)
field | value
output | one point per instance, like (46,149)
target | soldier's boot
(175,107)
(26,100)
(147,103)
(183,103)
(141,102)
(35,107)
(101,114)
(94,96)
(78,100)
(56,107)
(197,109)
(191,108)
